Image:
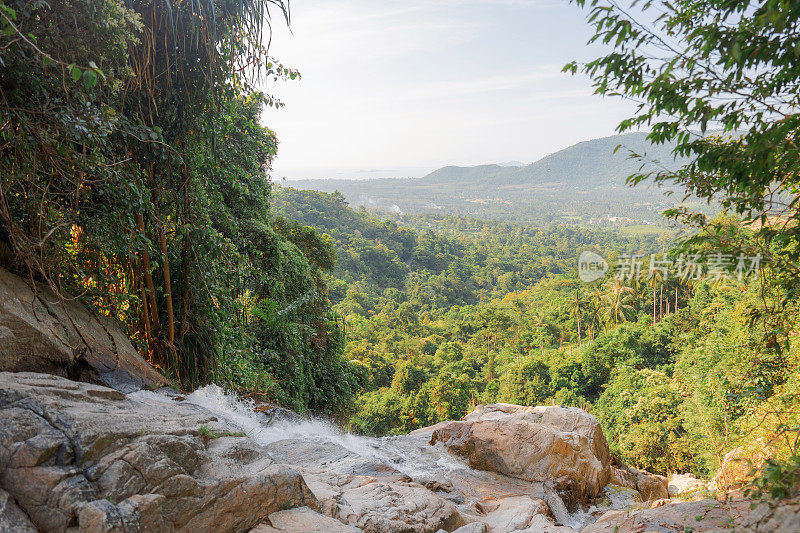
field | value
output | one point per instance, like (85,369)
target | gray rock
(12,518)
(275,414)
(704,515)
(379,507)
(75,453)
(305,520)
(41,333)
(773,516)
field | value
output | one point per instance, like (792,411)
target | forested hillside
(445,313)
(135,180)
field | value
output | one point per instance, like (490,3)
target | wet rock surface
(82,457)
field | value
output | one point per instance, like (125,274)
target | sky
(398,89)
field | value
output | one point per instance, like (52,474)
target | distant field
(645,229)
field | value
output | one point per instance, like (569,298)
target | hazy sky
(395,88)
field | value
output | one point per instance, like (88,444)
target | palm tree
(576,310)
(616,303)
(594,305)
(656,277)
(537,321)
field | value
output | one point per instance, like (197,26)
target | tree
(732,68)
(576,309)
(720,79)
(616,303)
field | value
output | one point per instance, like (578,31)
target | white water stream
(408,456)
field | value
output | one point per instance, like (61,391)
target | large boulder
(739,467)
(82,455)
(40,332)
(650,486)
(561,445)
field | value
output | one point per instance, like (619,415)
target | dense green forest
(443,314)
(133,175)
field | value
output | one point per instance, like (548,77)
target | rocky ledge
(82,457)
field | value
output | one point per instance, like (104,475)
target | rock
(738,466)
(305,520)
(12,518)
(650,486)
(363,491)
(698,516)
(563,445)
(330,456)
(264,528)
(773,516)
(541,524)
(473,527)
(80,454)
(40,333)
(623,477)
(685,485)
(273,414)
(513,513)
(380,506)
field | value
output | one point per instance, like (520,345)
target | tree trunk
(148,280)
(654,305)
(167,286)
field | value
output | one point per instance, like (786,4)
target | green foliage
(491,312)
(639,412)
(134,174)
(525,383)
(208,434)
(777,479)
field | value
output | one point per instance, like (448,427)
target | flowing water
(409,455)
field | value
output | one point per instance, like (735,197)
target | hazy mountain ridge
(581,184)
(588,163)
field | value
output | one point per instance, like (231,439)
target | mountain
(590,163)
(582,184)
